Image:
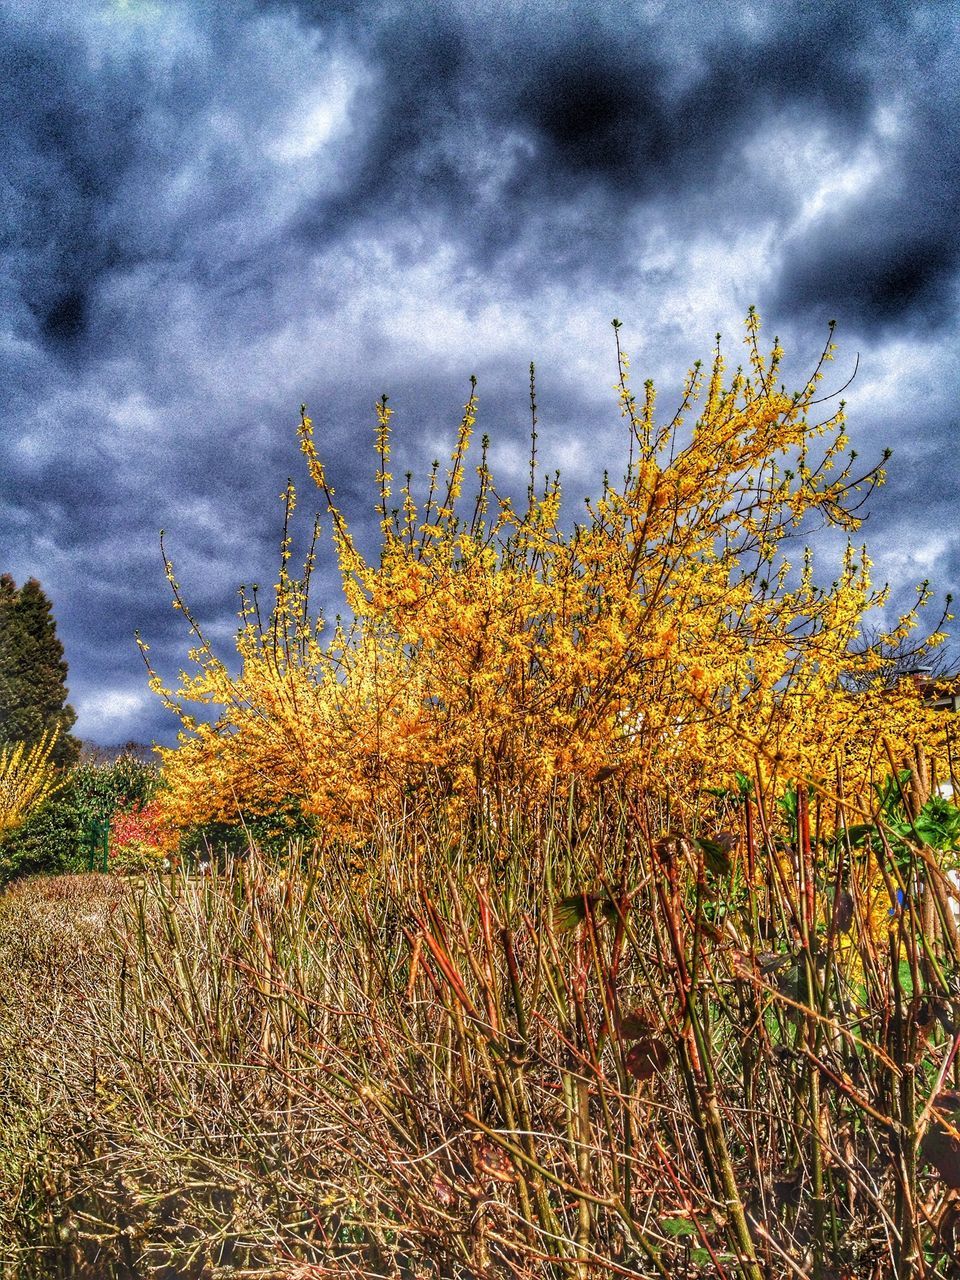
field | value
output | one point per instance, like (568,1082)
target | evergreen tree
(33,672)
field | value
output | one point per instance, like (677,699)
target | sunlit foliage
(139,838)
(499,652)
(27,778)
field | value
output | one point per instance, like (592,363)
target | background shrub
(272,833)
(52,838)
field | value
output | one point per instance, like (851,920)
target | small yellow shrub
(27,778)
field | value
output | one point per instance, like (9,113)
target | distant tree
(33,672)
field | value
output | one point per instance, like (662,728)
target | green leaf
(716,853)
(720,792)
(572,910)
(677,1227)
(937,824)
(859,833)
(787,804)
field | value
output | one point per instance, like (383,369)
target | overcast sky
(214,211)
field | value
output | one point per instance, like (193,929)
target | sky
(212,212)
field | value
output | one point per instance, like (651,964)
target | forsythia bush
(27,778)
(497,655)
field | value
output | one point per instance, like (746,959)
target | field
(590,1051)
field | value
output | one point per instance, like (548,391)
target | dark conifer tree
(33,672)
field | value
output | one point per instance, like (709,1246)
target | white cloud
(320,115)
(816,169)
(112,715)
(916,560)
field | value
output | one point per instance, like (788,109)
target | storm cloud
(212,213)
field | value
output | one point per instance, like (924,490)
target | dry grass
(618,1054)
(56,959)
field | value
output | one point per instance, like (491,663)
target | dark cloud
(65,321)
(70,136)
(209,216)
(891,259)
(611,113)
(610,98)
(885,279)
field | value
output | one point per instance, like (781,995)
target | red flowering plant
(139,839)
